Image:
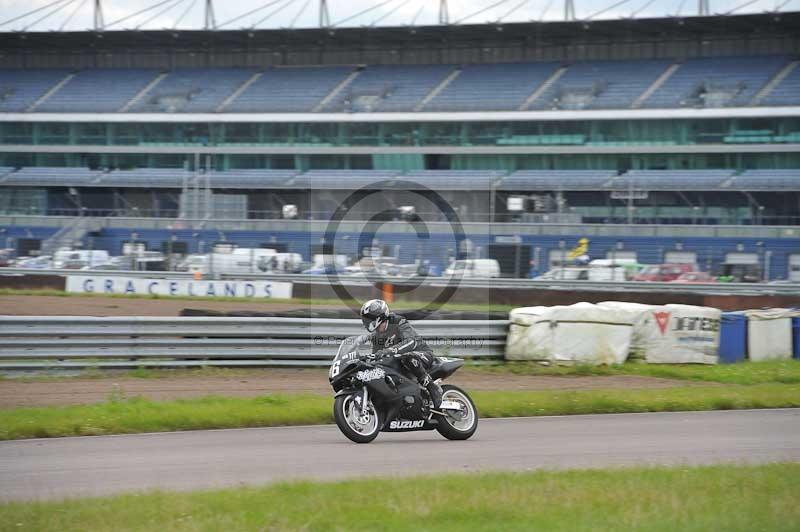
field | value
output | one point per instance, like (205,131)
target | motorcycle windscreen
(350,349)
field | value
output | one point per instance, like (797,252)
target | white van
(612,269)
(474,268)
(80,258)
(237,261)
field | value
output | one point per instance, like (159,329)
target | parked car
(7,257)
(567,273)
(695,277)
(664,273)
(740,273)
(324,269)
(37,263)
(109,266)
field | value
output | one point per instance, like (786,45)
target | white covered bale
(524,341)
(640,317)
(769,333)
(683,334)
(581,333)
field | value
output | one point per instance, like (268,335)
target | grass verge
(731,498)
(120,415)
(777,371)
(774,371)
(300,302)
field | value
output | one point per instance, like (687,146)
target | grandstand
(656,83)
(692,121)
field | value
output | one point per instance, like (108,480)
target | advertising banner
(107,284)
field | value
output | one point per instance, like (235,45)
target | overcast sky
(78,14)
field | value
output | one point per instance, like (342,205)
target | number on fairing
(335,368)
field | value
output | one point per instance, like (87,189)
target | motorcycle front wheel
(461,424)
(357,427)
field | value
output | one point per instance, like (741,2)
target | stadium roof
(544,33)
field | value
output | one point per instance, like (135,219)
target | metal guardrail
(505,283)
(28,342)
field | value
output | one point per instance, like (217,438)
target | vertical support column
(444,15)
(99,24)
(209,195)
(210,19)
(196,190)
(324,16)
(569,10)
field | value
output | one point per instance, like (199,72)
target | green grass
(778,371)
(120,415)
(775,371)
(300,302)
(95,373)
(730,498)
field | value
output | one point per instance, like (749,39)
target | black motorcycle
(378,395)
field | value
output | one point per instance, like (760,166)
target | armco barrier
(48,341)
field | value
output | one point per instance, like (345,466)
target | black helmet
(373,313)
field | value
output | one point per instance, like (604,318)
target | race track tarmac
(104,465)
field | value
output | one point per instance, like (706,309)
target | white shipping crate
(769,334)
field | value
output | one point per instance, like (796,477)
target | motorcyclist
(393,335)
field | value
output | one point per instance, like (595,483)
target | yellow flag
(581,249)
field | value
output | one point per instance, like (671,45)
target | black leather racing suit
(402,341)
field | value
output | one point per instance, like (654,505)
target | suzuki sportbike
(375,396)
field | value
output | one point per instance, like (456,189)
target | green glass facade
(516,133)
(600,137)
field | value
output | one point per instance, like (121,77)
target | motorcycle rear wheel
(347,415)
(454,426)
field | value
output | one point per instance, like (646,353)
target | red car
(664,272)
(695,277)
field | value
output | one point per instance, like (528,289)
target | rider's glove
(384,353)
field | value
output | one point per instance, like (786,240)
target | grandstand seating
(787,92)
(4,171)
(452,179)
(716,82)
(672,179)
(20,88)
(144,177)
(251,178)
(601,84)
(51,176)
(767,180)
(341,179)
(520,181)
(530,180)
(192,90)
(289,89)
(491,87)
(388,88)
(101,90)
(711,82)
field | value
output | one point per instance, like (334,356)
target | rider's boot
(434,390)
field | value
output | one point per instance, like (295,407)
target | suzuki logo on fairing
(406,424)
(370,374)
